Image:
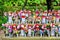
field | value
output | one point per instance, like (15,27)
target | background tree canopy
(13,5)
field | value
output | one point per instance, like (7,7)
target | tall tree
(1,7)
(49,4)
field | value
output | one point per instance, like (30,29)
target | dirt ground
(31,38)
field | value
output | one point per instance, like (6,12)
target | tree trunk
(25,3)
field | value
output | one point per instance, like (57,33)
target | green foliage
(12,5)
(57,7)
(3,19)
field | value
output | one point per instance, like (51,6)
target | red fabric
(57,16)
(36,27)
(43,16)
(14,27)
(37,12)
(22,16)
